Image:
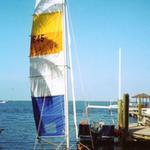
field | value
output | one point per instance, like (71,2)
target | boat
(97,135)
(3,101)
(50,59)
(1,130)
(94,135)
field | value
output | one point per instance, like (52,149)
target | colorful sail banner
(47,68)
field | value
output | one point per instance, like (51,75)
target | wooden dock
(139,132)
(126,137)
(133,112)
(135,136)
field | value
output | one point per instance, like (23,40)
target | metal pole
(71,76)
(66,79)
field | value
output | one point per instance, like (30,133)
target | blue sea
(16,118)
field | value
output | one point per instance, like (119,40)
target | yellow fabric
(46,37)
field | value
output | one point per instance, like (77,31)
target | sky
(100,27)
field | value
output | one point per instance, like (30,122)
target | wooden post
(139,109)
(125,112)
(120,119)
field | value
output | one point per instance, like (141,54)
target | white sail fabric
(47,75)
(48,6)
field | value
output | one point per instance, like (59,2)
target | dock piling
(126,112)
(139,109)
(120,114)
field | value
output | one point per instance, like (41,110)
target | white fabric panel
(37,2)
(45,65)
(48,6)
(47,75)
(44,86)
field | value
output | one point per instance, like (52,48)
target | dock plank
(140,132)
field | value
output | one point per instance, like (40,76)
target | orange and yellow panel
(46,37)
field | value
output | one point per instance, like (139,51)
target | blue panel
(52,119)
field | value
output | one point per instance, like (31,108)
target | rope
(85,146)
(53,144)
(77,59)
(42,146)
(59,146)
(36,139)
(72,131)
(79,71)
(111,114)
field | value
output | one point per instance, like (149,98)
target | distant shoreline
(69,100)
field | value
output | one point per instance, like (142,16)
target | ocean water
(16,118)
